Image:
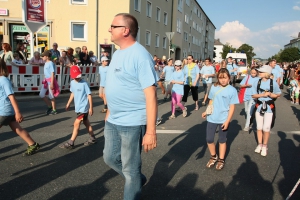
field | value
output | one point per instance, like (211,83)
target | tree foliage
(227,48)
(248,50)
(276,56)
(290,54)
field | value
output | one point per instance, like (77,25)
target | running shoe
(32,149)
(172,117)
(258,149)
(246,129)
(212,161)
(48,110)
(53,112)
(264,151)
(184,112)
(66,145)
(158,122)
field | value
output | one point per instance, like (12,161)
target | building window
(179,25)
(164,42)
(165,18)
(149,9)
(156,40)
(157,14)
(187,2)
(180,5)
(186,18)
(185,36)
(148,38)
(79,31)
(79,2)
(137,5)
(194,25)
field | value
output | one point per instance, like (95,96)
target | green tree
(276,56)
(227,48)
(248,50)
(290,54)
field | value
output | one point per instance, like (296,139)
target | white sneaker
(246,129)
(264,151)
(258,149)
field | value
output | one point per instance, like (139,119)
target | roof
(217,42)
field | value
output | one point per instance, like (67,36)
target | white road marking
(171,131)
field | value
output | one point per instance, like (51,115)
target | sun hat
(265,69)
(104,58)
(178,62)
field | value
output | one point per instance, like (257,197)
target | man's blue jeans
(122,152)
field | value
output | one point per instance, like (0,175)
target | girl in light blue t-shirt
(222,97)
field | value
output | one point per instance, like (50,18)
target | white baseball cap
(265,69)
(178,62)
(104,58)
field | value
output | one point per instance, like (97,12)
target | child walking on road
(50,84)
(222,98)
(177,80)
(10,113)
(81,94)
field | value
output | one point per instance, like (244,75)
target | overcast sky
(267,25)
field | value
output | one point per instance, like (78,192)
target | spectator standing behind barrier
(17,60)
(10,113)
(49,83)
(76,55)
(84,56)
(36,59)
(93,58)
(6,54)
(132,104)
(70,56)
(81,94)
(64,60)
(55,53)
(102,72)
(21,52)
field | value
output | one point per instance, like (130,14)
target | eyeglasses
(177,65)
(113,26)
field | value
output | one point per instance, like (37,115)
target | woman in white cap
(265,91)
(177,81)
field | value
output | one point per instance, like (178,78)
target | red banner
(35,11)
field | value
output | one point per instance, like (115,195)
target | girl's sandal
(220,164)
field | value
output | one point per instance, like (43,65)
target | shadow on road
(290,163)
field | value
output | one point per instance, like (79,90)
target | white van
(241,62)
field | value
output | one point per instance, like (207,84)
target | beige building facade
(77,23)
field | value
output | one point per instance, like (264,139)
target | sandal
(197,108)
(212,161)
(220,164)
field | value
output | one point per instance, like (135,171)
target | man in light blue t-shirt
(207,72)
(167,72)
(233,71)
(130,121)
(275,72)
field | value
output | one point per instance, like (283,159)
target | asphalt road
(175,169)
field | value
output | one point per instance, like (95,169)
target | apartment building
(77,23)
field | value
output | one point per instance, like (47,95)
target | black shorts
(82,116)
(5,120)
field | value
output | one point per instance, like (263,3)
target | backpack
(271,87)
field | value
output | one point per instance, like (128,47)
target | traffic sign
(34,14)
(170,35)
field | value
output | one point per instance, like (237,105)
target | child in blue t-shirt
(10,113)
(81,94)
(222,97)
(49,84)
